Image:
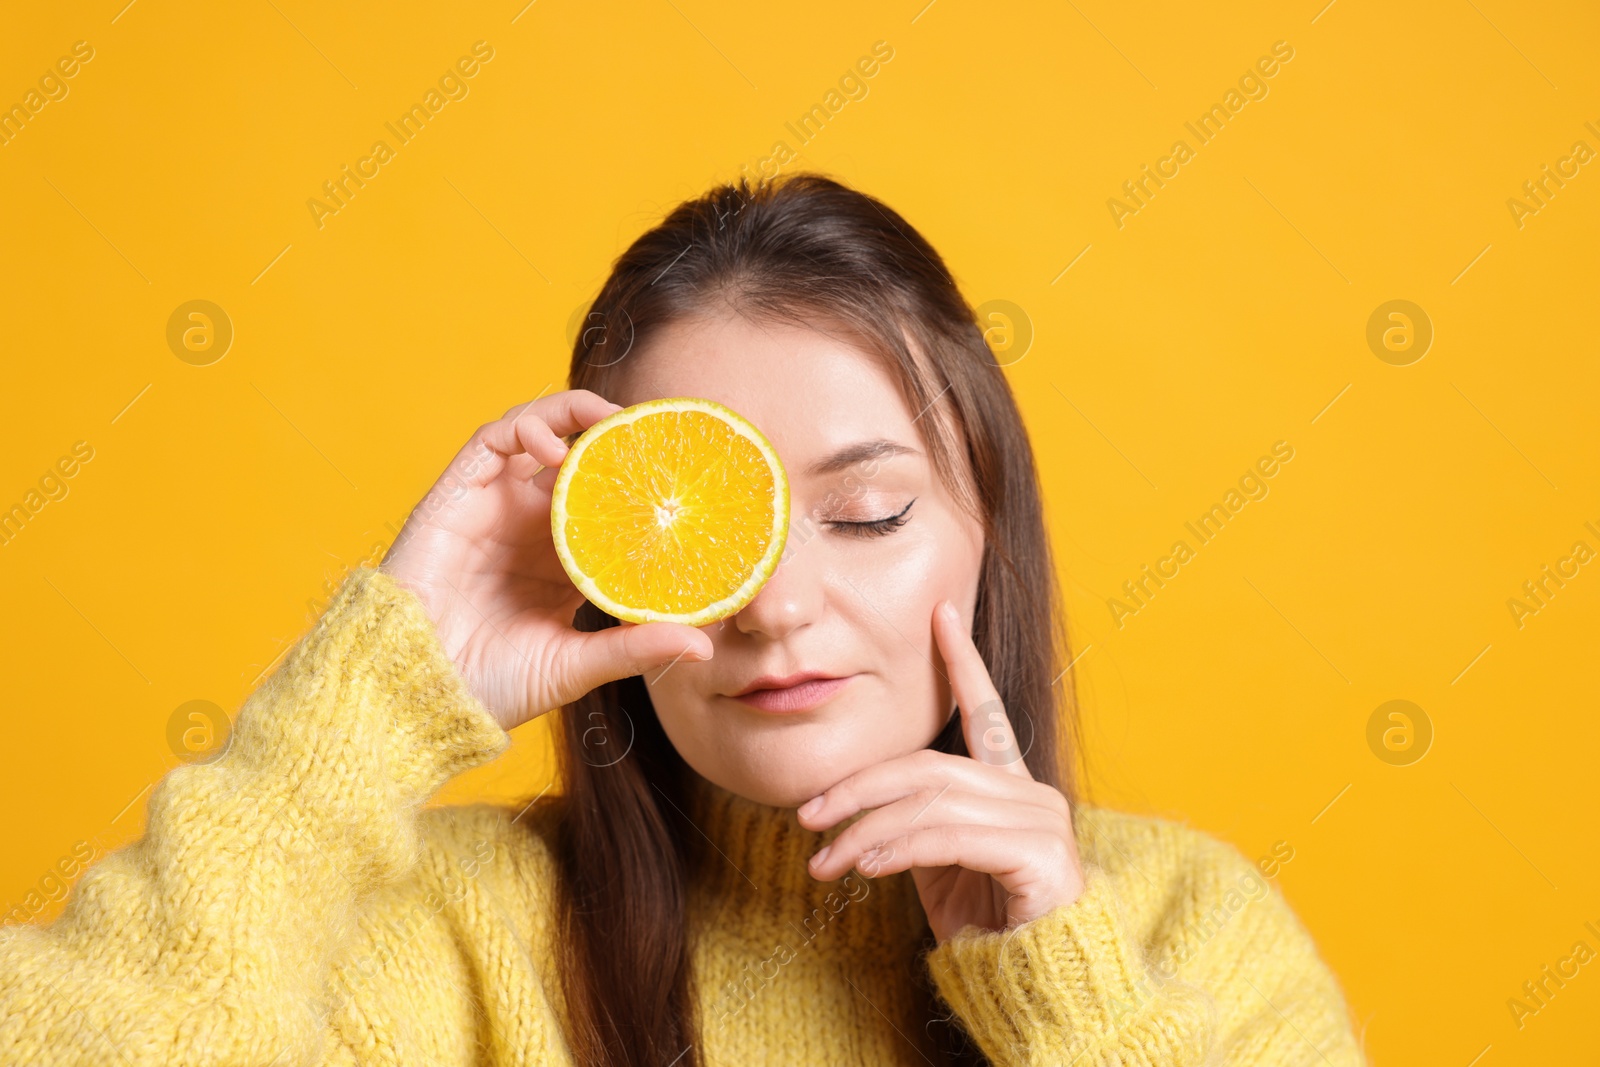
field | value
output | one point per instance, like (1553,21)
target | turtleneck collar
(757,877)
(776,950)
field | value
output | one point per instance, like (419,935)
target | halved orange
(672,510)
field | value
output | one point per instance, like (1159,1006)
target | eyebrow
(859,452)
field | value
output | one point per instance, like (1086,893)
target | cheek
(682,695)
(675,695)
(681,706)
(890,598)
(903,582)
(902,586)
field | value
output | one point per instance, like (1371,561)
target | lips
(773,681)
(792,693)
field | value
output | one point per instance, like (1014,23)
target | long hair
(805,250)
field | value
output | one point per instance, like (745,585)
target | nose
(791,599)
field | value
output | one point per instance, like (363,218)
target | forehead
(809,392)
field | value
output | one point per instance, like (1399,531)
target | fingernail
(950,612)
(811,807)
(820,856)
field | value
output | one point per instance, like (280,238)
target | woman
(893,870)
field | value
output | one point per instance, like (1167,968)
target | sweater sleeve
(1223,978)
(212,938)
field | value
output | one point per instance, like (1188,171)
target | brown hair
(807,250)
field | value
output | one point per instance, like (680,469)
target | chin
(791,773)
(785,780)
(777,794)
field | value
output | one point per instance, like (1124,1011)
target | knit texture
(292,903)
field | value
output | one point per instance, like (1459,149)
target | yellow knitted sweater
(291,903)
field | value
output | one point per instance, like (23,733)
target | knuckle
(1057,802)
(559,659)
(533,413)
(632,660)
(479,445)
(1064,828)
(530,425)
(879,859)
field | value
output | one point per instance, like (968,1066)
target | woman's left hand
(986,844)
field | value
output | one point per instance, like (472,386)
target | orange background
(1155,360)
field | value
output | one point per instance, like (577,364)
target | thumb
(628,649)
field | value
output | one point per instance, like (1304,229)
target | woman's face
(853,603)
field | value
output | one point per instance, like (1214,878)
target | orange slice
(673,510)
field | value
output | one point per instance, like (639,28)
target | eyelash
(876,527)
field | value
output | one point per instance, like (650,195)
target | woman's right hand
(478,552)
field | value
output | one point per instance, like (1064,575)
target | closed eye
(875,527)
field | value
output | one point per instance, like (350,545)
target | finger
(534,429)
(926,810)
(923,771)
(524,468)
(545,480)
(566,412)
(593,659)
(984,722)
(1004,854)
